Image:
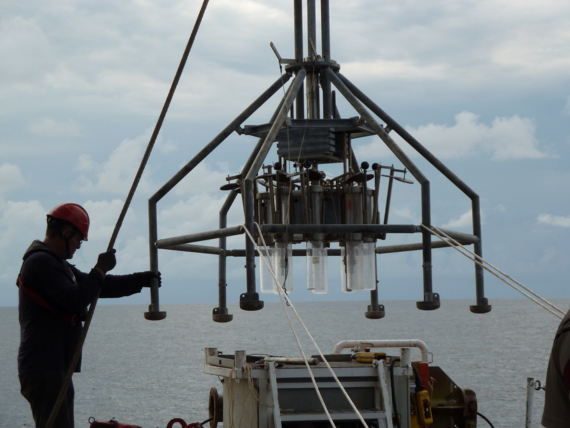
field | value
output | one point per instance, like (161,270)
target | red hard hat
(73,213)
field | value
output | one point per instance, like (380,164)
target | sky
(482,84)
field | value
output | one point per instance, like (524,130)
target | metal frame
(315,70)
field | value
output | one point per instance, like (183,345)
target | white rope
(542,302)
(479,260)
(284,297)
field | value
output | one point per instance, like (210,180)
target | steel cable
(545,304)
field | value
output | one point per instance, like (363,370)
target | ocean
(147,373)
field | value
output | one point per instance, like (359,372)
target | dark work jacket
(46,343)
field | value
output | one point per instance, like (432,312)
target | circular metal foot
(250,302)
(480,309)
(375,315)
(155,316)
(428,306)
(222,317)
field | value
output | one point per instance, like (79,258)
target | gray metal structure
(298,203)
(386,389)
(261,393)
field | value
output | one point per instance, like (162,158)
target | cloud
(26,51)
(49,127)
(203,178)
(10,178)
(103,216)
(394,69)
(464,220)
(480,44)
(406,213)
(507,138)
(116,174)
(198,213)
(554,220)
(20,223)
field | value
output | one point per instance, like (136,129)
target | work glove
(107,260)
(148,276)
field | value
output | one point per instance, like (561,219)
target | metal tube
(340,228)
(191,248)
(389,195)
(220,137)
(296,252)
(385,249)
(431,300)
(325,30)
(327,99)
(373,301)
(300,100)
(311,28)
(377,176)
(482,303)
(201,236)
(312,78)
(413,343)
(154,307)
(249,246)
(220,313)
(326,53)
(460,236)
(529,401)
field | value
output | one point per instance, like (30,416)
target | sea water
(147,373)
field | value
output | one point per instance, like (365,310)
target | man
(557,399)
(53,298)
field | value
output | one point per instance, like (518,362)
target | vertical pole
(300,100)
(482,302)
(220,314)
(311,28)
(312,82)
(529,401)
(154,313)
(431,299)
(326,53)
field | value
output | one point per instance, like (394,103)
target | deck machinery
(387,390)
(289,200)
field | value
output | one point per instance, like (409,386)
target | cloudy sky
(482,84)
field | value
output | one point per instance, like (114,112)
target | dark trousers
(41,389)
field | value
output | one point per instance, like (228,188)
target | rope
(284,297)
(252,388)
(79,348)
(542,302)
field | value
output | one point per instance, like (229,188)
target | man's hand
(148,276)
(106,261)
